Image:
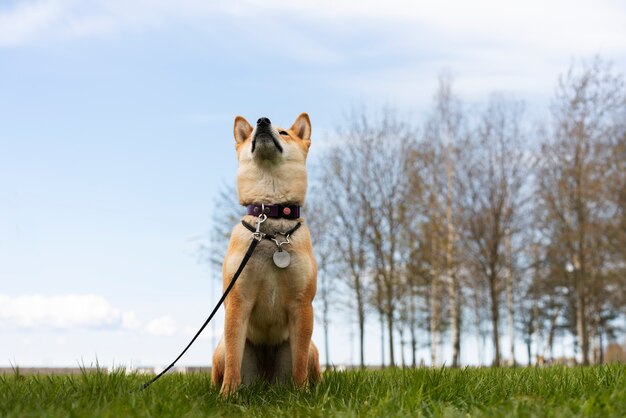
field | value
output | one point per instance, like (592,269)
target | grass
(522,392)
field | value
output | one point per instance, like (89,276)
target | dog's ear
(242,129)
(302,127)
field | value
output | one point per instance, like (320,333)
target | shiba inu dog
(269,311)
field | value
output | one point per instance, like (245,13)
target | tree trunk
(382,338)
(401,335)
(389,315)
(453,294)
(495,316)
(326,324)
(326,350)
(592,336)
(435,306)
(581,323)
(536,328)
(413,347)
(509,298)
(361,318)
(536,325)
(452,279)
(581,305)
(601,343)
(551,333)
(456,331)
(580,263)
(412,326)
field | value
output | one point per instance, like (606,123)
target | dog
(269,312)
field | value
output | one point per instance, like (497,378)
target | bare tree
(318,215)
(387,206)
(418,277)
(341,182)
(493,171)
(572,186)
(433,231)
(444,128)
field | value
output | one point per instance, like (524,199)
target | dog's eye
(283,133)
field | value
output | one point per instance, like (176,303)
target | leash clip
(258,235)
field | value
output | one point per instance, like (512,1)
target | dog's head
(272,161)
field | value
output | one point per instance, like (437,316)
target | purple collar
(275,211)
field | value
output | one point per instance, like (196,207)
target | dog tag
(281,258)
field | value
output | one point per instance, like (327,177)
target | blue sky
(116,132)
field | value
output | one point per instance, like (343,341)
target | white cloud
(582,26)
(28,20)
(70,312)
(62,311)
(164,326)
(42,20)
(130,320)
(557,23)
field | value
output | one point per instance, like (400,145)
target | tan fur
(269,312)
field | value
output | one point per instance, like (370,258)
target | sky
(116,134)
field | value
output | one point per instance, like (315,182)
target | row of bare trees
(579,211)
(477,224)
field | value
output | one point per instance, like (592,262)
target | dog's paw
(229,388)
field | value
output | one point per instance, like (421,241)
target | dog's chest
(274,285)
(270,293)
(275,291)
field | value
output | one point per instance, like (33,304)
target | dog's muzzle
(264,141)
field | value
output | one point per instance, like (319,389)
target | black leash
(255,241)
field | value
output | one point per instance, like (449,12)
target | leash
(257,236)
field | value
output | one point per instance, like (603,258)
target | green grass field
(524,392)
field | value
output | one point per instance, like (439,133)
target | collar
(274,211)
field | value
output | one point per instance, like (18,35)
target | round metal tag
(281,258)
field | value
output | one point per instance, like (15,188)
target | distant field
(549,392)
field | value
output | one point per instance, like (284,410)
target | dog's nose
(263,122)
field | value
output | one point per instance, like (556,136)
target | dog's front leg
(300,332)
(235,326)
